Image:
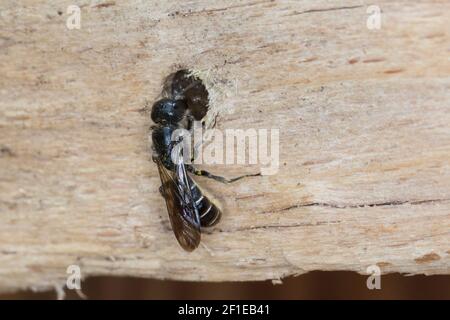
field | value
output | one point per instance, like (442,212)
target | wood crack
(210,11)
(359,205)
(272,226)
(295,13)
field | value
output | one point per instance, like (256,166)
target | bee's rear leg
(209,175)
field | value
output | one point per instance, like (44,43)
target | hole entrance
(184,85)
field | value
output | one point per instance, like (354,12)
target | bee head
(168,111)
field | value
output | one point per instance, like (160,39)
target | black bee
(189,209)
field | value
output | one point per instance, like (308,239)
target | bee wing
(183,215)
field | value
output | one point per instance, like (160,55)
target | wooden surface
(364,121)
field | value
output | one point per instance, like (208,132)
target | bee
(188,207)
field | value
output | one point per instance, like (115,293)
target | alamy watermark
(74,19)
(374,280)
(231,146)
(73,281)
(374,20)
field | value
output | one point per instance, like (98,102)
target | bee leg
(209,175)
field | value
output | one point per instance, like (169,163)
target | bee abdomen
(209,213)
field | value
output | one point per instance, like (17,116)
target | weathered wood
(364,138)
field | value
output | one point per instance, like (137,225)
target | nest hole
(183,84)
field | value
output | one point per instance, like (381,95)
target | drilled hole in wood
(184,85)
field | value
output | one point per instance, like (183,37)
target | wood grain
(363,116)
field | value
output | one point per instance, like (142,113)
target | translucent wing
(180,206)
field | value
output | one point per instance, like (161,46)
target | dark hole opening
(190,88)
